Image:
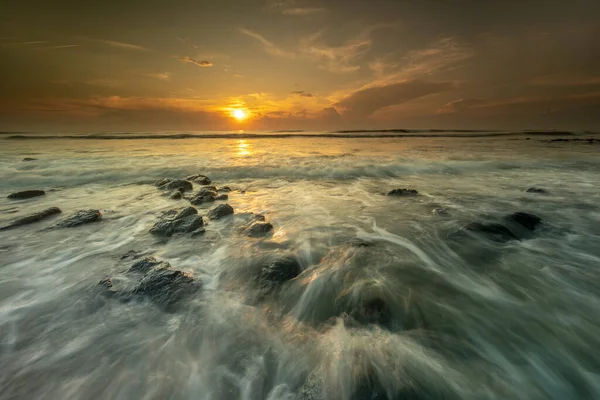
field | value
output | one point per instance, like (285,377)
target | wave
(364,134)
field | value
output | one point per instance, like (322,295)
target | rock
(26,194)
(225,189)
(356,242)
(222,197)
(205,195)
(176,195)
(29,159)
(220,211)
(186,221)
(167,287)
(258,229)
(179,184)
(536,190)
(146,264)
(30,219)
(198,232)
(162,182)
(106,282)
(441,211)
(373,311)
(529,221)
(199,179)
(80,218)
(493,231)
(281,270)
(210,188)
(403,192)
(131,255)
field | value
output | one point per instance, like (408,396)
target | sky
(187,65)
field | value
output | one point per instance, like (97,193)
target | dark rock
(258,229)
(162,182)
(356,242)
(222,197)
(220,211)
(536,190)
(205,195)
(225,189)
(106,282)
(26,194)
(493,231)
(529,221)
(167,287)
(441,211)
(178,185)
(403,192)
(210,188)
(176,195)
(528,138)
(80,218)
(281,270)
(131,255)
(199,179)
(146,264)
(29,159)
(30,219)
(198,232)
(186,221)
(373,311)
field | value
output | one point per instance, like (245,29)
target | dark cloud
(365,102)
(302,93)
(460,105)
(198,63)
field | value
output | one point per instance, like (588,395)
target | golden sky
(299,64)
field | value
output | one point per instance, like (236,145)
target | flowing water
(452,315)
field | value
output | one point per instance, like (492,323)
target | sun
(238,114)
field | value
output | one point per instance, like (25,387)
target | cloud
(15,44)
(198,63)
(103,82)
(64,46)
(365,102)
(460,105)
(162,76)
(122,45)
(302,93)
(566,80)
(298,11)
(269,46)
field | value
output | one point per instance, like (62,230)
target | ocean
(320,285)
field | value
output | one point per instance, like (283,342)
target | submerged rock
(527,220)
(199,179)
(186,221)
(536,190)
(176,195)
(30,219)
(179,184)
(403,192)
(147,263)
(441,211)
(222,197)
(281,270)
(167,287)
(493,231)
(225,189)
(26,194)
(220,211)
(131,255)
(372,312)
(357,242)
(81,217)
(258,229)
(29,159)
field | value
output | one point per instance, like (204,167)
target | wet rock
(29,159)
(491,230)
(146,264)
(30,219)
(80,218)
(527,220)
(281,270)
(372,312)
(176,195)
(225,189)
(357,242)
(441,211)
(167,287)
(106,282)
(222,197)
(220,211)
(26,194)
(162,182)
(205,195)
(131,255)
(179,184)
(199,179)
(536,190)
(258,229)
(186,221)
(198,232)
(403,192)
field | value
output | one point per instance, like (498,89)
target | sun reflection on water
(243,148)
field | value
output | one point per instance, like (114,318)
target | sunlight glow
(238,114)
